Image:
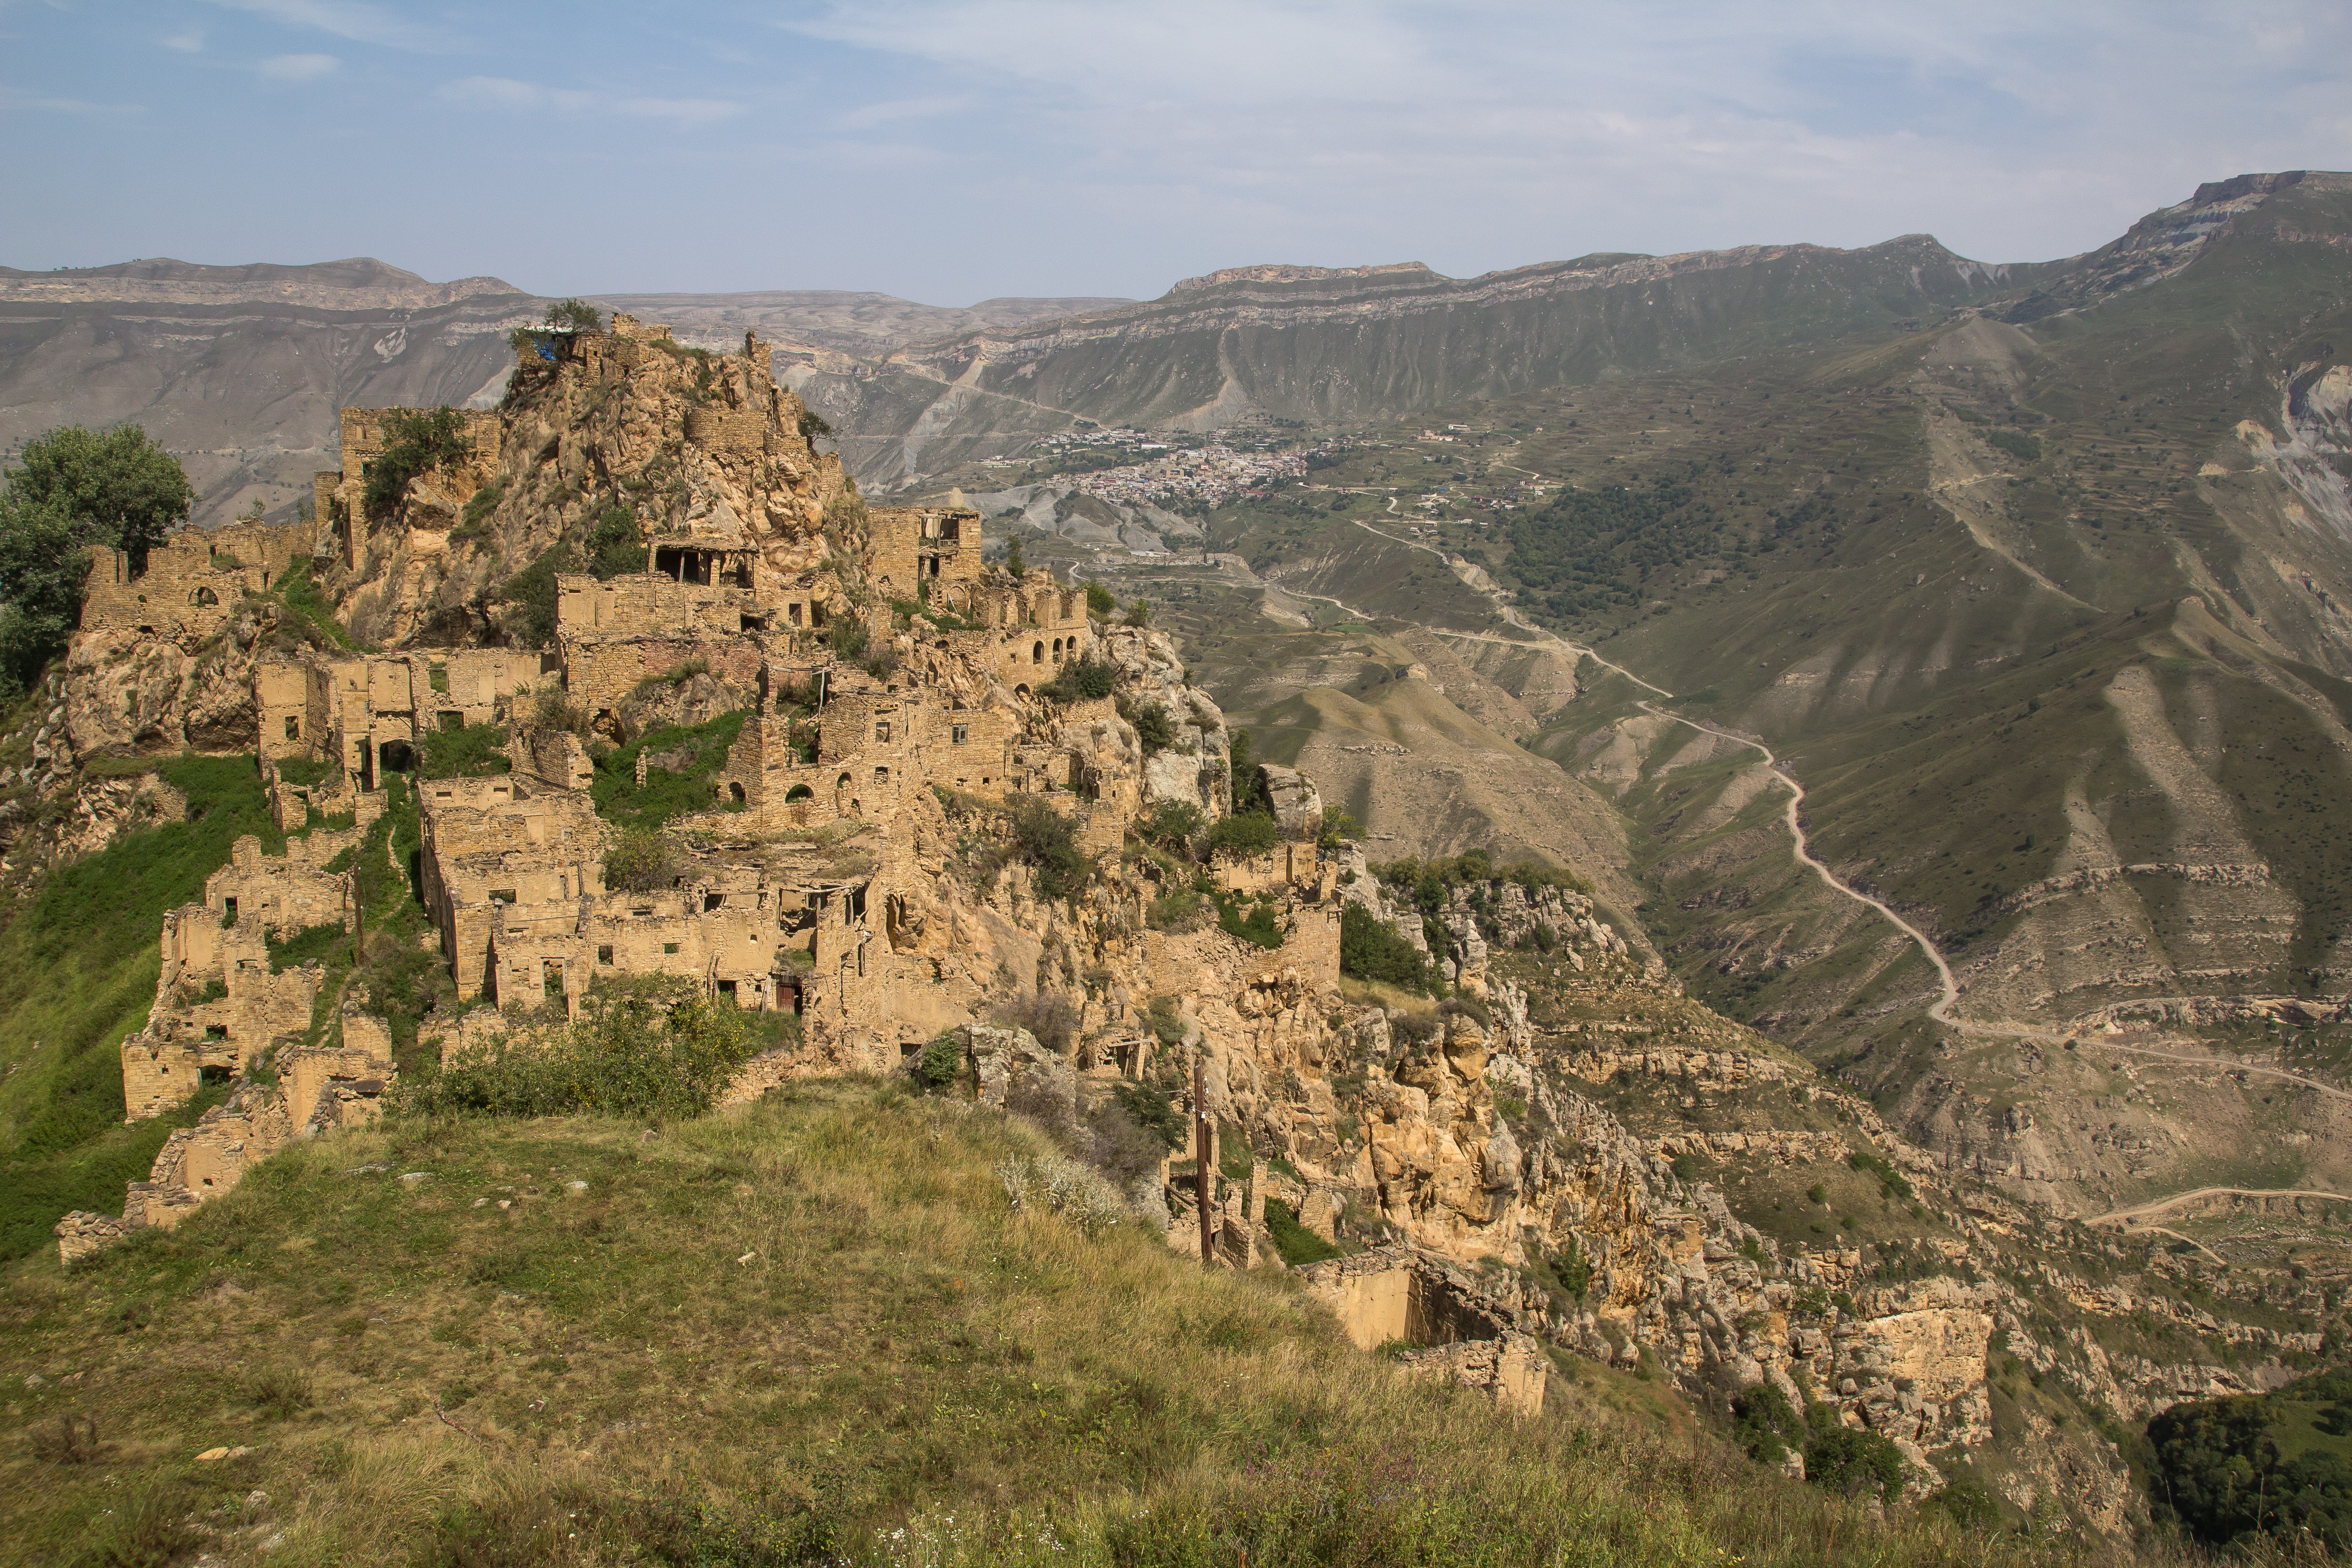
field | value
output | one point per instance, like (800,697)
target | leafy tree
(413,442)
(1248,834)
(615,547)
(1101,600)
(1042,836)
(1172,823)
(117,488)
(641,861)
(75,488)
(1153,727)
(1339,828)
(42,564)
(812,424)
(1139,613)
(1369,950)
(1841,1458)
(1013,559)
(1251,796)
(1081,681)
(578,315)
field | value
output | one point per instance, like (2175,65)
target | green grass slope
(815,1329)
(78,963)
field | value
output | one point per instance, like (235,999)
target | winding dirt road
(1944,1010)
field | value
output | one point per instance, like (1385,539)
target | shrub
(652,1045)
(1050,1018)
(616,545)
(1082,681)
(812,424)
(1148,1105)
(1172,823)
(1058,1185)
(1891,1181)
(1139,613)
(1250,795)
(1339,828)
(643,859)
(2023,447)
(413,443)
(940,1064)
(1256,926)
(1153,727)
(1371,950)
(1764,1423)
(1855,1463)
(848,636)
(278,1392)
(1042,836)
(1245,835)
(1101,600)
(474,752)
(531,592)
(68,1440)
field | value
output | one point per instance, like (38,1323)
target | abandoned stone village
(643,537)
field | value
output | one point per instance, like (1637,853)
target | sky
(951,151)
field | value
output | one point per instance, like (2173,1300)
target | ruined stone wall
(484,847)
(932,546)
(600,673)
(192,581)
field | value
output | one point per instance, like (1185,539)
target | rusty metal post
(1204,1179)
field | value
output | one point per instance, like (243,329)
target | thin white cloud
(681,111)
(902,108)
(17,98)
(507,93)
(298,68)
(352,20)
(191,42)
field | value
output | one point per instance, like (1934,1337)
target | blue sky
(951,151)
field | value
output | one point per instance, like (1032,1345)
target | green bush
(531,592)
(1081,681)
(1245,835)
(616,545)
(940,1064)
(2023,447)
(413,443)
(1256,926)
(643,859)
(1172,823)
(647,1045)
(1101,600)
(1891,1182)
(1371,950)
(1148,1105)
(1042,836)
(848,636)
(1764,1423)
(667,791)
(1153,728)
(1855,1463)
(476,751)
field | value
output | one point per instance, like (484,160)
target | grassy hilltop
(812,1331)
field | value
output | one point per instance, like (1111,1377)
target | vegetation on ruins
(299,592)
(1042,836)
(1250,797)
(681,761)
(1081,681)
(1154,729)
(415,443)
(472,751)
(612,544)
(73,488)
(1101,603)
(642,860)
(652,1046)
(1212,1415)
(563,318)
(78,971)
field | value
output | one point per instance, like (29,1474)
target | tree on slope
(74,488)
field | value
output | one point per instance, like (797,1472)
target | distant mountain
(1323,346)
(239,370)
(806,323)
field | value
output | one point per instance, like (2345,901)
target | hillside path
(2141,1211)
(1800,849)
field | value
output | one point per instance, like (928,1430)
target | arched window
(1037,654)
(735,793)
(203,596)
(799,792)
(1058,650)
